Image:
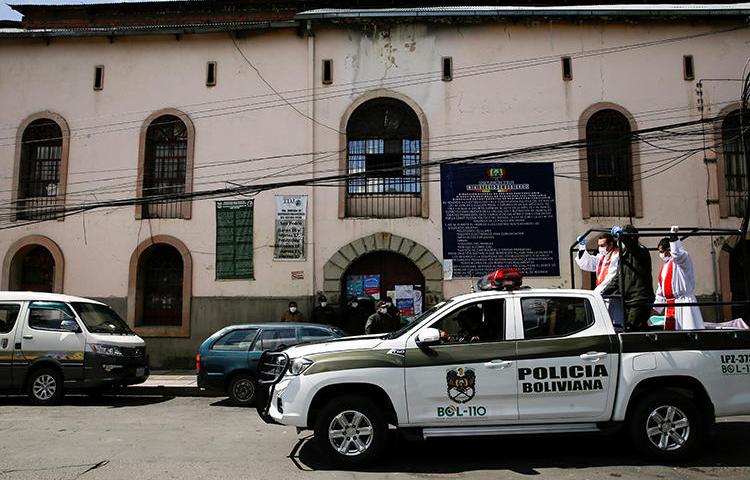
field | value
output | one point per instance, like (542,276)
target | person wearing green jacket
(635,269)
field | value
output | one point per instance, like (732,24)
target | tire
(667,426)
(241,390)
(344,419)
(45,387)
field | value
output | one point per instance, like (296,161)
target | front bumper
(106,371)
(277,396)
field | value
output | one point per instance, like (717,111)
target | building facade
(121,139)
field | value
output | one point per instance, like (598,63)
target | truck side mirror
(70,326)
(428,337)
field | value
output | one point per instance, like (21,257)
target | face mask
(663,257)
(603,250)
(383,310)
(292,309)
(323,304)
(354,304)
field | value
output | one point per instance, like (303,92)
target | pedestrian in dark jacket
(292,314)
(355,316)
(324,313)
(381,321)
(393,310)
(635,269)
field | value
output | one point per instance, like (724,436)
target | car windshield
(417,319)
(101,319)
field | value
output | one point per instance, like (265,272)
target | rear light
(198,363)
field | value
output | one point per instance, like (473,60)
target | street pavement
(163,437)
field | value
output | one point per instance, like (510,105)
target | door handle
(5,342)
(28,337)
(501,364)
(593,356)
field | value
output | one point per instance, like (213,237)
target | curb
(167,391)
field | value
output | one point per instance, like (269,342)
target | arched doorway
(394,258)
(160,272)
(379,274)
(32,269)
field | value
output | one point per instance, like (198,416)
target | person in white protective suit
(676,285)
(604,264)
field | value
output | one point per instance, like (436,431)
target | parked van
(51,343)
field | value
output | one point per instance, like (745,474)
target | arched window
(33,269)
(735,169)
(39,170)
(160,286)
(165,167)
(609,165)
(384,156)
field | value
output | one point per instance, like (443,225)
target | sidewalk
(180,383)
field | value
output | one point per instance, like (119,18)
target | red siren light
(503,279)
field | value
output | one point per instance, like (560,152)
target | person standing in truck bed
(635,269)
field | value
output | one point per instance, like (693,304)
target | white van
(50,343)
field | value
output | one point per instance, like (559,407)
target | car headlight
(299,365)
(103,349)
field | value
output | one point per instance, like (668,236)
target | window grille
(165,167)
(384,161)
(41,155)
(162,270)
(609,164)
(735,168)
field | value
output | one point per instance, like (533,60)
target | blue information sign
(500,216)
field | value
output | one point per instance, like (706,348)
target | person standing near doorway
(323,313)
(292,314)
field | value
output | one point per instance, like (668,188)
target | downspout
(311,141)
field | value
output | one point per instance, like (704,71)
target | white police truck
(516,361)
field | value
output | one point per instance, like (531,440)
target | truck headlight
(103,349)
(299,365)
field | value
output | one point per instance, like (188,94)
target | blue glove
(581,241)
(616,231)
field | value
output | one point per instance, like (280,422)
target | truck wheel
(45,387)
(351,431)
(241,390)
(666,426)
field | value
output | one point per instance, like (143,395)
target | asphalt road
(185,438)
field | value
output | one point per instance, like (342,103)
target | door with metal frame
(469,378)
(567,362)
(43,336)
(9,319)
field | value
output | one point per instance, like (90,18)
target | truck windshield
(101,319)
(414,321)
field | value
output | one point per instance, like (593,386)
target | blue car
(227,361)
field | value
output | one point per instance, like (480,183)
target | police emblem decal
(461,384)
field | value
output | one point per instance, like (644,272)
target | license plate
(139,372)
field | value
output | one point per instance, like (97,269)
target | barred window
(41,156)
(609,165)
(735,169)
(384,160)
(165,167)
(161,280)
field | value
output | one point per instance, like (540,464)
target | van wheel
(241,390)
(45,387)
(351,431)
(666,426)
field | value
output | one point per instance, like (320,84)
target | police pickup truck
(502,362)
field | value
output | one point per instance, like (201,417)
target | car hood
(362,342)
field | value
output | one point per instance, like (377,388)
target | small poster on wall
(405,300)
(372,286)
(354,286)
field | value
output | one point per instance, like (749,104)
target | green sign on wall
(234,239)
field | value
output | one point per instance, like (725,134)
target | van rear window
(8,316)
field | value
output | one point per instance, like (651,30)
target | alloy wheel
(668,428)
(44,387)
(350,433)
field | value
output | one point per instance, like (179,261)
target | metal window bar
(41,156)
(162,287)
(385,178)
(735,168)
(165,167)
(609,165)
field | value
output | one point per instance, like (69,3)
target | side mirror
(70,326)
(428,337)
